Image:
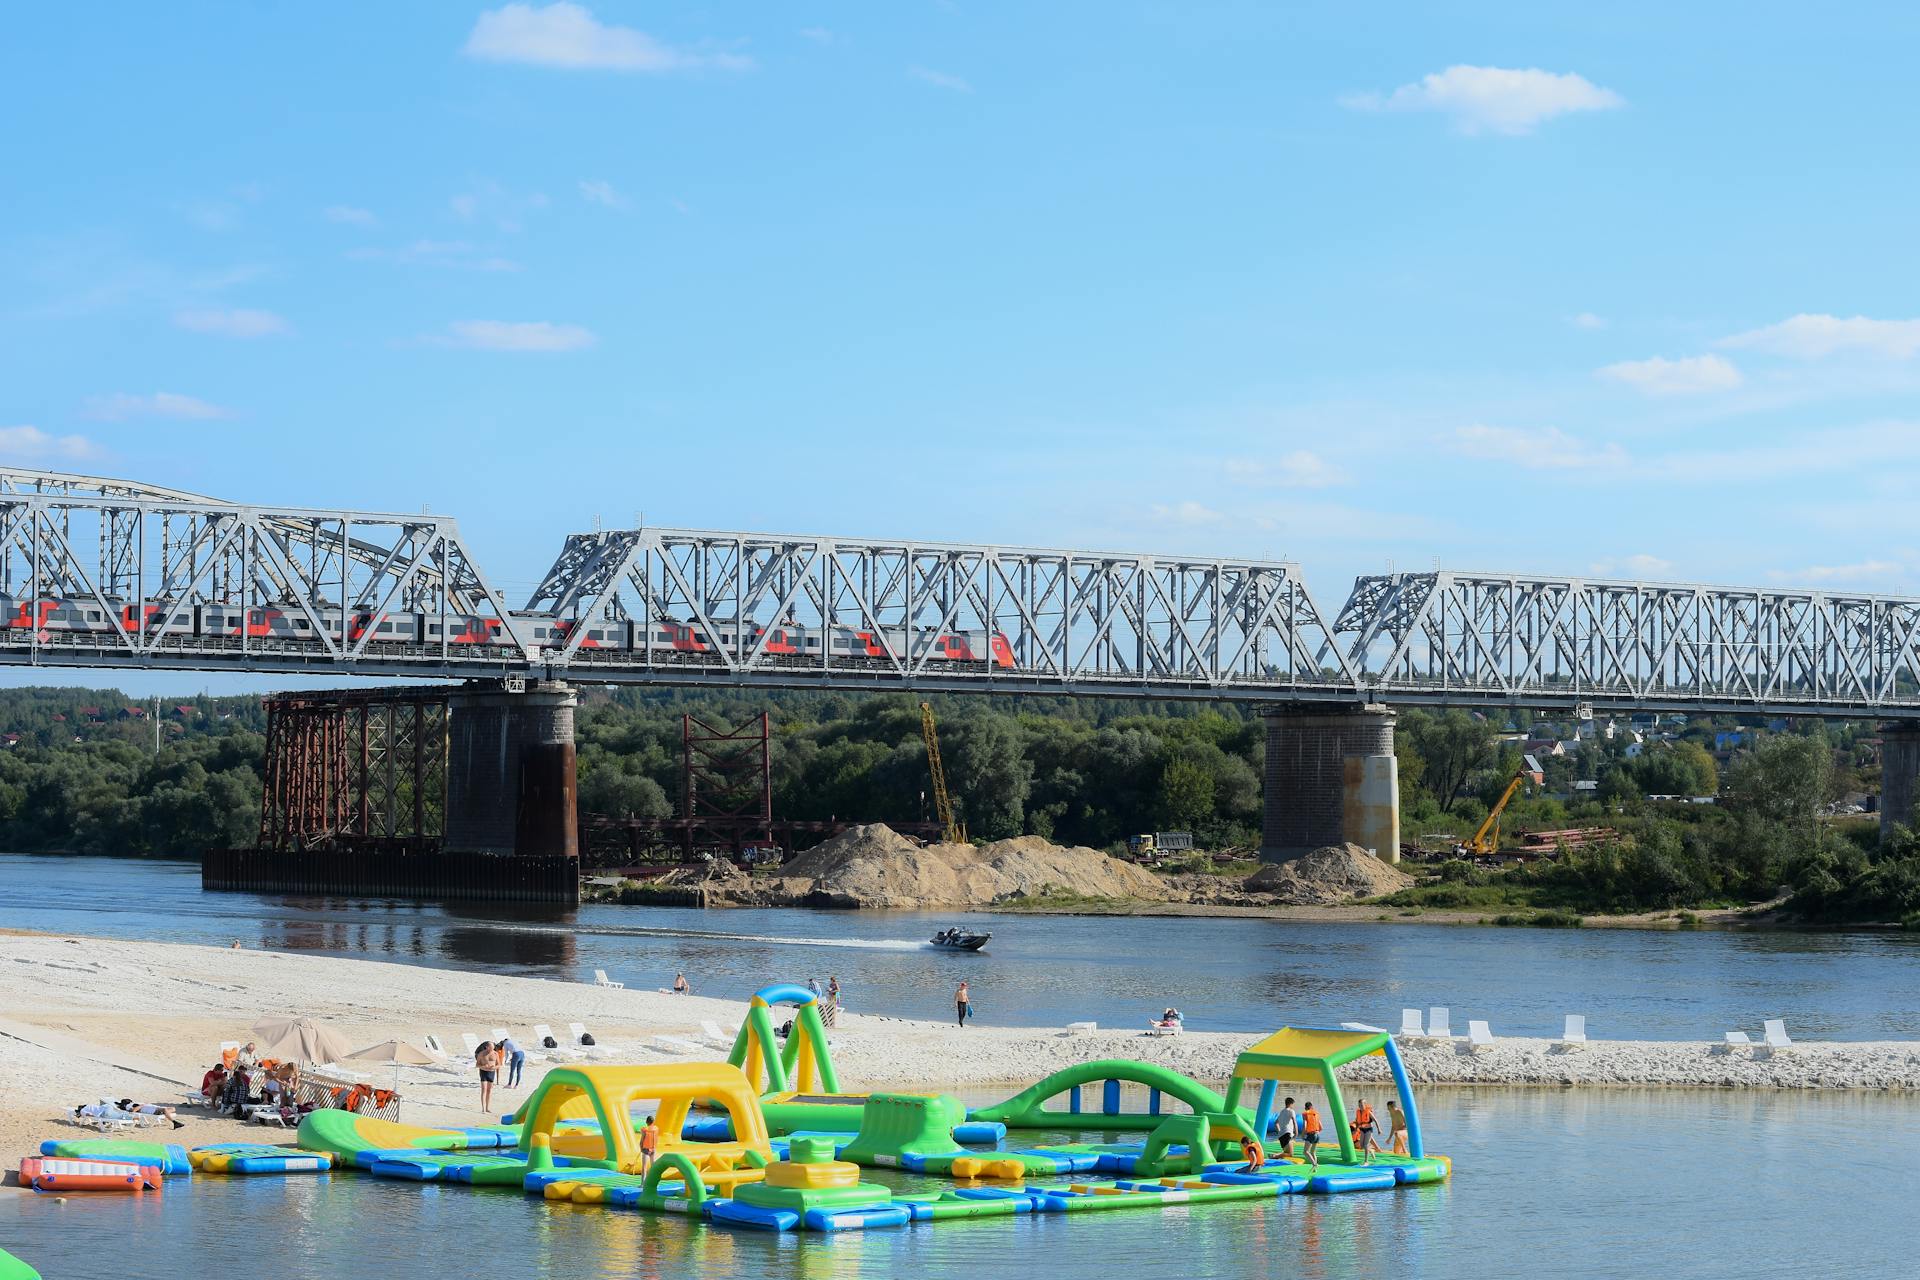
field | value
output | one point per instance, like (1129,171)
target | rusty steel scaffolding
(355,769)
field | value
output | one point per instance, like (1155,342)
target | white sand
(83,1018)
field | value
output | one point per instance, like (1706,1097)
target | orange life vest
(1364,1117)
(650,1139)
(1310,1122)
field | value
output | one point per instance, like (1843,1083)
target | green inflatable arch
(1025,1110)
(689,1174)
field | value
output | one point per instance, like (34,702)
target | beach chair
(600,979)
(117,1123)
(577,1035)
(677,1045)
(717,1034)
(1439,1026)
(1410,1028)
(472,1042)
(542,1033)
(1155,1027)
(1478,1037)
(1082,1028)
(1736,1040)
(1774,1037)
(1574,1036)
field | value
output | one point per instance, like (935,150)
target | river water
(1548,1183)
(1224,974)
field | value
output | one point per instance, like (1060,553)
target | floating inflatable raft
(168,1157)
(258,1157)
(51,1173)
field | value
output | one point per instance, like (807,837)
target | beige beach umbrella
(300,1038)
(398,1052)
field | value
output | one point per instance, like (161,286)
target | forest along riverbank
(82,1018)
(874,866)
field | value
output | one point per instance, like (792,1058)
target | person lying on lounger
(125,1109)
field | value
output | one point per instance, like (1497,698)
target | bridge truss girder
(1455,638)
(141,563)
(1070,621)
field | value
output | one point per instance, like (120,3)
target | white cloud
(350,216)
(1537,448)
(570,37)
(1689,375)
(1634,566)
(458,254)
(31,444)
(1810,337)
(602,192)
(940,79)
(239,322)
(521,335)
(1493,99)
(1837,572)
(1297,470)
(819,35)
(1587,320)
(122,405)
(1187,513)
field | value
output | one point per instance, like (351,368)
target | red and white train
(62,617)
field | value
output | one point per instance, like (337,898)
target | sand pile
(875,866)
(1328,876)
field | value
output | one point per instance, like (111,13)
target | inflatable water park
(767,1140)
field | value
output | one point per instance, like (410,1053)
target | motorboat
(959,940)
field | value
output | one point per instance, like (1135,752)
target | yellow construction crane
(1487,838)
(950,831)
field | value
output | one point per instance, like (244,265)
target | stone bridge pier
(510,770)
(1331,778)
(1899,773)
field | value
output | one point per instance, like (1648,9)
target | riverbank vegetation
(81,771)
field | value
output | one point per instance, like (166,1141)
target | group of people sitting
(230,1084)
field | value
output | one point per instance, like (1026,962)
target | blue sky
(1623,289)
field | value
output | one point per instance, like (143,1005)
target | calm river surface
(1225,974)
(1547,1183)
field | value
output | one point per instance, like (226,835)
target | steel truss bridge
(109,573)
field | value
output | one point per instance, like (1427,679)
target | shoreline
(82,1018)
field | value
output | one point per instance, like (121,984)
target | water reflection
(1228,974)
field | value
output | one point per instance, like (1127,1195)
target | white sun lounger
(600,979)
(576,1035)
(1439,1026)
(1775,1037)
(1478,1037)
(1410,1028)
(542,1033)
(472,1042)
(1738,1040)
(1157,1028)
(1575,1034)
(676,1044)
(1082,1028)
(714,1032)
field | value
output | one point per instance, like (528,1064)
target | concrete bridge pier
(1899,773)
(1330,778)
(510,770)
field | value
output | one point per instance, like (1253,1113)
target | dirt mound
(1327,877)
(875,866)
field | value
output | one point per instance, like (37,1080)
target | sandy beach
(82,1018)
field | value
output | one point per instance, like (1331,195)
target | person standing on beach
(516,1059)
(963,1003)
(1397,1128)
(1289,1125)
(486,1059)
(830,1007)
(1310,1133)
